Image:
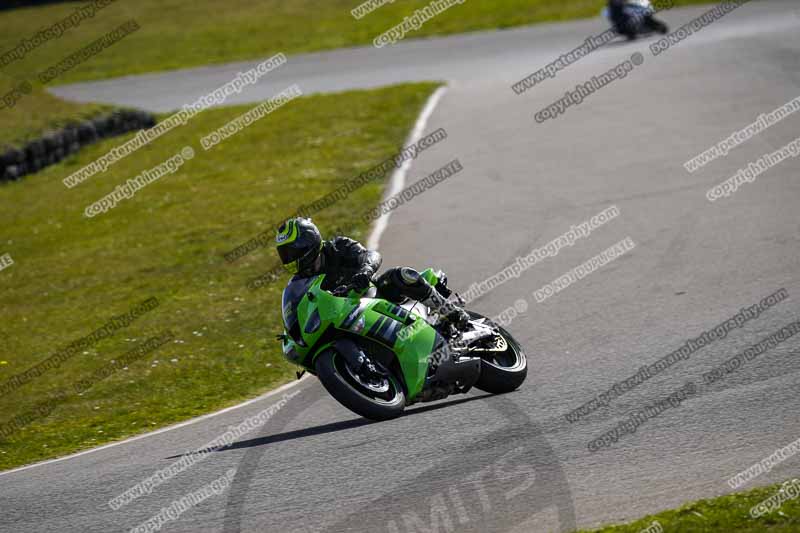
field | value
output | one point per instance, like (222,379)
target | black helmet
(299,243)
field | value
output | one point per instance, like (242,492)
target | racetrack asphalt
(513,463)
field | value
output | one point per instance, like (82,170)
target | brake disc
(498,344)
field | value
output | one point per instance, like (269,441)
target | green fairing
(430,276)
(412,346)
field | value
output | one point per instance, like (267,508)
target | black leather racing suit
(343,259)
(620,19)
(630,19)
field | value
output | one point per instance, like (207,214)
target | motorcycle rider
(628,17)
(349,265)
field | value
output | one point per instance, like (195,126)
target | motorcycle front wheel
(371,397)
(657,26)
(504,366)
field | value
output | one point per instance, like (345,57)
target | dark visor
(289,254)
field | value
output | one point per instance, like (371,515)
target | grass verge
(179,34)
(72,274)
(723,514)
(38,112)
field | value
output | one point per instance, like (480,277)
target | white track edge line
(159,431)
(397,181)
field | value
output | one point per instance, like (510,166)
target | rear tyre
(501,371)
(375,399)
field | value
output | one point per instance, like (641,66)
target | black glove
(341,291)
(360,281)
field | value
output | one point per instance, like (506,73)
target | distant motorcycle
(634,18)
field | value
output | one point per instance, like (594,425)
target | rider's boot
(403,282)
(451,313)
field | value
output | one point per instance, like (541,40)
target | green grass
(72,273)
(180,33)
(38,112)
(724,514)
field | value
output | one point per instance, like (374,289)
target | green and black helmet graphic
(299,242)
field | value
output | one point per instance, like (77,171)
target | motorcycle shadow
(336,426)
(624,41)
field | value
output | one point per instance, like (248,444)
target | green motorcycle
(376,357)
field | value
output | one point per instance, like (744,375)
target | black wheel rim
(511,359)
(361,386)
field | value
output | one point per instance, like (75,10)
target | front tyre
(375,399)
(658,26)
(503,365)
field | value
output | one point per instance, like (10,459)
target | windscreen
(292,295)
